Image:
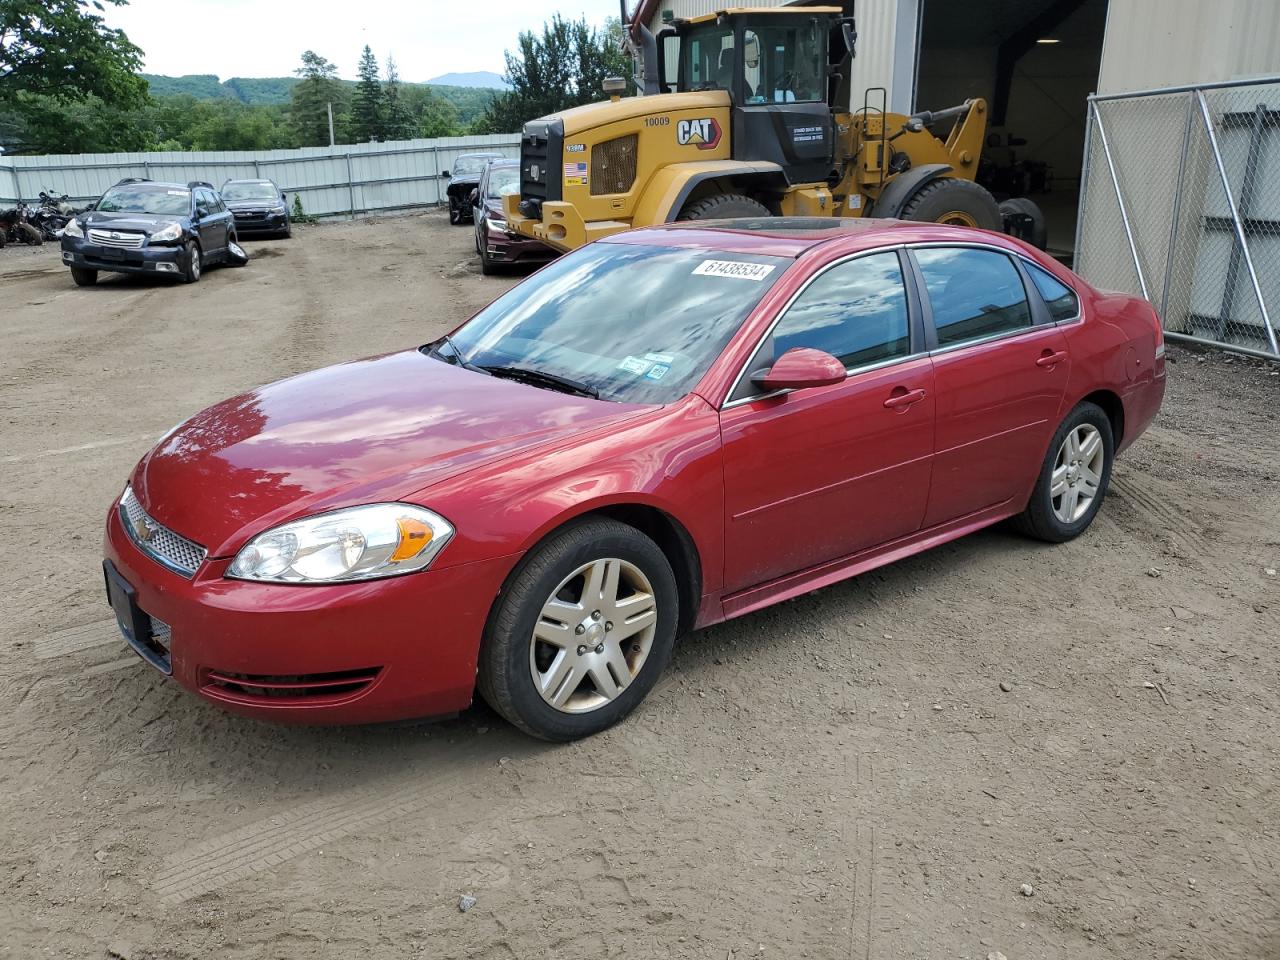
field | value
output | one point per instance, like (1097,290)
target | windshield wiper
(455,358)
(540,378)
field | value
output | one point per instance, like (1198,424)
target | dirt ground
(841,776)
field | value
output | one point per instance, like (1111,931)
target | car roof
(793,236)
(248,180)
(465,156)
(141,181)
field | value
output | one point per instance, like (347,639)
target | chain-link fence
(1180,203)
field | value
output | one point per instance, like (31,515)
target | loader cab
(773,64)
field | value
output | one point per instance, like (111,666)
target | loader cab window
(783,64)
(707,54)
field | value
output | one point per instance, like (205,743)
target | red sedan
(657,432)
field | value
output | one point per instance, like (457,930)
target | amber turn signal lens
(414,536)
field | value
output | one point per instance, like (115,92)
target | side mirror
(801,367)
(284,197)
(447,175)
(201,212)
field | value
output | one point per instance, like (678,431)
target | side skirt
(842,568)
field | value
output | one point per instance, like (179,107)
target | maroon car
(661,430)
(494,242)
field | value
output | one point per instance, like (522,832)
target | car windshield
(504,181)
(250,191)
(632,323)
(464,165)
(151,198)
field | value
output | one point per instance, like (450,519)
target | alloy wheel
(593,635)
(1077,473)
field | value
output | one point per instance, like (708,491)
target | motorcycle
(54,213)
(16,225)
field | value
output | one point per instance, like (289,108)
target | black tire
(287,232)
(1039,519)
(951,200)
(1038,234)
(30,234)
(487,266)
(723,206)
(237,256)
(83,277)
(505,677)
(455,211)
(192,262)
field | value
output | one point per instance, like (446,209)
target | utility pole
(330,107)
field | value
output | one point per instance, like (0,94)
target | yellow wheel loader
(747,113)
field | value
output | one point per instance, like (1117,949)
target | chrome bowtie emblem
(143,530)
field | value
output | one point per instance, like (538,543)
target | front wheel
(581,633)
(1073,478)
(83,277)
(455,212)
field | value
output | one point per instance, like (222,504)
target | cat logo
(704,134)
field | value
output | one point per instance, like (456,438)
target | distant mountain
(470,99)
(485,79)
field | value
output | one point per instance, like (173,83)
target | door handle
(900,401)
(1051,359)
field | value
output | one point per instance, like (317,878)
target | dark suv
(143,226)
(463,179)
(259,207)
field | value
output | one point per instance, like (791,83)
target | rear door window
(1058,297)
(973,294)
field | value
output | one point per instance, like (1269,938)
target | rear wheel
(1032,229)
(723,206)
(951,200)
(581,633)
(83,277)
(1073,478)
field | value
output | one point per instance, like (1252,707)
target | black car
(494,242)
(463,178)
(259,207)
(144,226)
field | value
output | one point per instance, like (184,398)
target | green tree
(310,98)
(366,107)
(65,76)
(397,119)
(560,69)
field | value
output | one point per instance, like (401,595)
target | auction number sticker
(733,268)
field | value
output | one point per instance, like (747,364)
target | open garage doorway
(1035,62)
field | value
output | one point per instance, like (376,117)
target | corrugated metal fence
(342,180)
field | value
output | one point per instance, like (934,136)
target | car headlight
(360,543)
(492,224)
(171,231)
(73,228)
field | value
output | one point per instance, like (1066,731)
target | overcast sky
(265,38)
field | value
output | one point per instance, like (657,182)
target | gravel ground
(872,771)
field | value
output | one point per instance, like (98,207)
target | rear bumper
(342,654)
(165,260)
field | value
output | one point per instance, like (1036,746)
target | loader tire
(1038,232)
(952,200)
(723,206)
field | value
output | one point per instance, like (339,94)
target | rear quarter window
(1061,300)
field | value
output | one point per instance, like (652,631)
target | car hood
(367,431)
(127,221)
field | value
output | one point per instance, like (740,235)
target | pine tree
(367,107)
(310,99)
(397,120)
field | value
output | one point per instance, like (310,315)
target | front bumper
(337,654)
(261,222)
(561,225)
(164,260)
(505,247)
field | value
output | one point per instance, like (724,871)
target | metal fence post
(1084,181)
(1177,211)
(1235,220)
(1124,214)
(351,188)
(435,169)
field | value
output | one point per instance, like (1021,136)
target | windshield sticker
(733,268)
(666,358)
(633,365)
(657,371)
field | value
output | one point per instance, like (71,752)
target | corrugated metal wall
(361,178)
(1163,43)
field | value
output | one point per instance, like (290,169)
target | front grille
(613,165)
(273,688)
(161,544)
(116,238)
